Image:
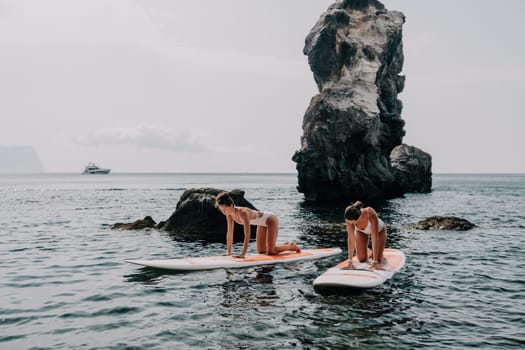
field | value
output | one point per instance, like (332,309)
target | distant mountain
(19,159)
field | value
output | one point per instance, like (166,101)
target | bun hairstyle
(353,212)
(224,198)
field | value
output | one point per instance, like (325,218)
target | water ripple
(65,285)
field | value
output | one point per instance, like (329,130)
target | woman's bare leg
(288,246)
(260,239)
(361,246)
(271,238)
(271,234)
(381,242)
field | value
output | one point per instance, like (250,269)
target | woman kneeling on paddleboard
(267,227)
(361,223)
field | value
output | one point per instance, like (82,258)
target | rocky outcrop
(355,52)
(196,217)
(142,224)
(444,223)
(412,169)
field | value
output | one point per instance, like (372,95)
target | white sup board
(229,262)
(361,276)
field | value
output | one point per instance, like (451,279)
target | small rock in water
(444,223)
(142,224)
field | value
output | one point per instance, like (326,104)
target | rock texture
(196,217)
(141,224)
(444,223)
(412,169)
(355,52)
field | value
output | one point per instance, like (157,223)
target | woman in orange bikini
(361,224)
(267,227)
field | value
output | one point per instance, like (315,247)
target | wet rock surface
(444,223)
(196,217)
(141,224)
(351,127)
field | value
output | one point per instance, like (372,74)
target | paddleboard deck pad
(230,262)
(361,276)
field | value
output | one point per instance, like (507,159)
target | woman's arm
(372,217)
(350,242)
(229,234)
(243,214)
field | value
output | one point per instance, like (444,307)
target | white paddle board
(361,276)
(229,262)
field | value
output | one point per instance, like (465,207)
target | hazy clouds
(125,23)
(146,137)
(212,85)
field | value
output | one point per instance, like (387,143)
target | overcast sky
(222,85)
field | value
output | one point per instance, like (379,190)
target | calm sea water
(64,283)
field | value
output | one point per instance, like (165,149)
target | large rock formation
(196,217)
(355,52)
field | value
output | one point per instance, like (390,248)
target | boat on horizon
(92,168)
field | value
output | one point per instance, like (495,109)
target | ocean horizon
(230,172)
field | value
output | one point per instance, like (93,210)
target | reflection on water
(361,317)
(249,288)
(320,226)
(149,276)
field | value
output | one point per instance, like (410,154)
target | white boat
(92,168)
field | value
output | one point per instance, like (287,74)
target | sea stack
(352,126)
